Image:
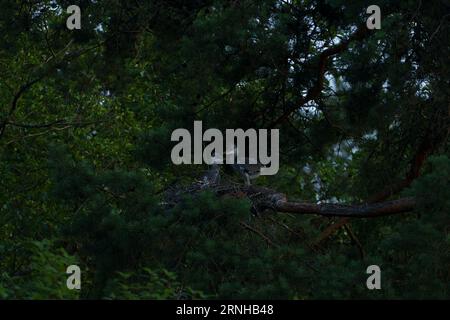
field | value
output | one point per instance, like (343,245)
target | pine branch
(265,198)
(351,211)
(315,91)
(423,151)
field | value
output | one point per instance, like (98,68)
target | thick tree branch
(340,210)
(424,150)
(264,198)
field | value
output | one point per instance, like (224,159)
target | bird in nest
(250,169)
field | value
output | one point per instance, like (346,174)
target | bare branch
(259,233)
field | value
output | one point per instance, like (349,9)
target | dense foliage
(85,123)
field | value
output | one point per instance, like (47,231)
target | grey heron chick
(212,176)
(249,171)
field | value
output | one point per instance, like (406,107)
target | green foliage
(44,276)
(433,193)
(148,284)
(85,124)
(152,147)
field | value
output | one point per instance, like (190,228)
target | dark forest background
(85,171)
